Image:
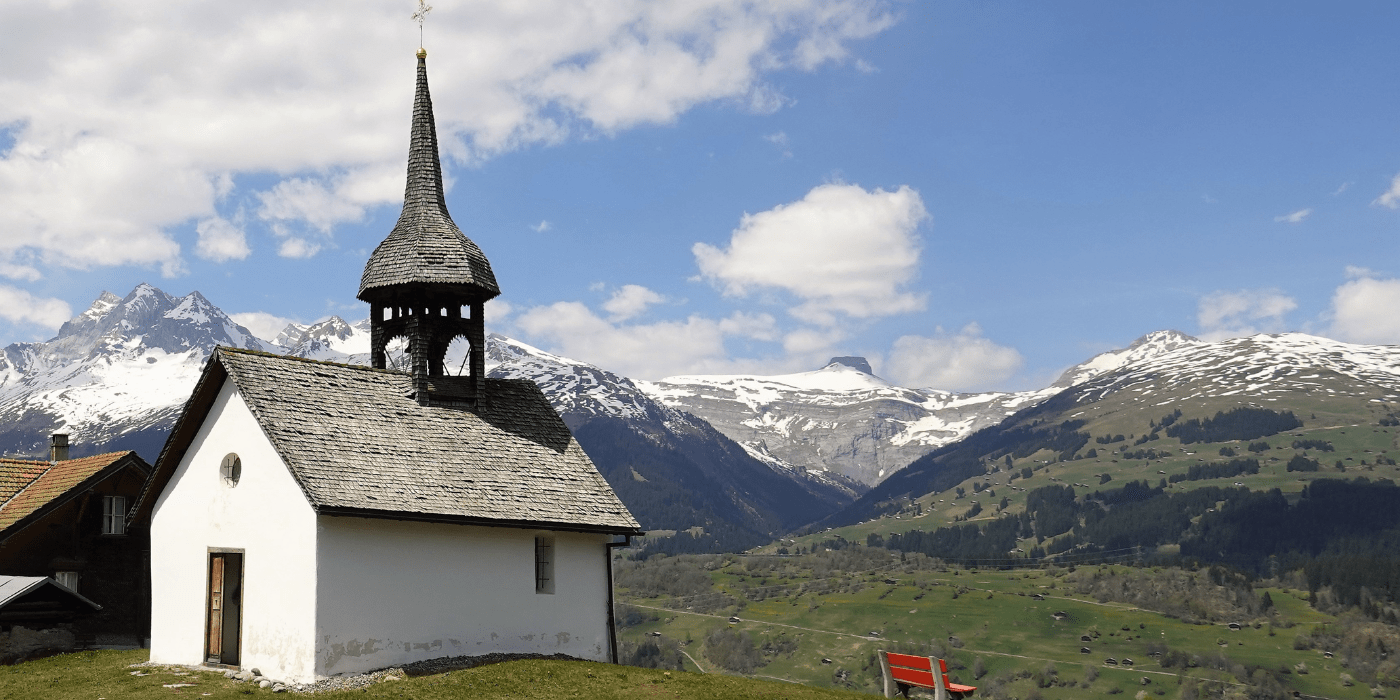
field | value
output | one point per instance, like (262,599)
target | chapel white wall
(265,515)
(392,592)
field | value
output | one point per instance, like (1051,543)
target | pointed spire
(423,192)
(426,247)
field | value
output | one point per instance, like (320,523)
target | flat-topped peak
(856,363)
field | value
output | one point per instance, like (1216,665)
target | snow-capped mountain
(1145,348)
(579,391)
(120,370)
(844,418)
(1259,368)
(1329,385)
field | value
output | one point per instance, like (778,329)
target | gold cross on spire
(418,16)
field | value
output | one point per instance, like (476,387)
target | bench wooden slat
(923,679)
(909,661)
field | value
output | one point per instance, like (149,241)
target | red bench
(905,671)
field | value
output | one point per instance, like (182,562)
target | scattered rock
(278,688)
(264,683)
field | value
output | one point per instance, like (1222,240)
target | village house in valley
(64,520)
(312,519)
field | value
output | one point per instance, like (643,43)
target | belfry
(427,282)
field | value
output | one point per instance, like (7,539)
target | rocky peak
(856,363)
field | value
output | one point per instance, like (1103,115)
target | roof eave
(347,512)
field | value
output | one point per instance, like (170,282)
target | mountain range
(726,460)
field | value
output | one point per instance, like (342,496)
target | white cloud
(308,201)
(125,127)
(811,342)
(262,324)
(220,240)
(1366,310)
(962,361)
(296,247)
(780,139)
(1341,188)
(19,272)
(498,310)
(641,351)
(630,300)
(1390,199)
(19,306)
(1294,218)
(1224,314)
(541,227)
(840,249)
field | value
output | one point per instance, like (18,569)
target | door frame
(208,581)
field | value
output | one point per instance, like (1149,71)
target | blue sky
(974,195)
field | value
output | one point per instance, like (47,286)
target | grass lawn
(105,675)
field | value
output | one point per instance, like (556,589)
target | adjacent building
(65,519)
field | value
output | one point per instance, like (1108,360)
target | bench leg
(890,686)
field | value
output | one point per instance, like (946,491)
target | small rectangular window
(114,515)
(544,564)
(68,579)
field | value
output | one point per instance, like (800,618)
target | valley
(818,619)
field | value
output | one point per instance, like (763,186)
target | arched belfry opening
(427,282)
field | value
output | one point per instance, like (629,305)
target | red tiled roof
(27,486)
(15,474)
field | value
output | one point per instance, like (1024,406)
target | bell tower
(427,282)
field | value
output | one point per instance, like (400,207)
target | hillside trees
(1243,423)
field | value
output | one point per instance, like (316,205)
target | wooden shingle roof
(359,444)
(425,246)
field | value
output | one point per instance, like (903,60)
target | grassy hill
(1352,420)
(107,675)
(819,619)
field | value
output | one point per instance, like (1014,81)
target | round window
(231,469)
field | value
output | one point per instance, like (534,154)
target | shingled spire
(426,272)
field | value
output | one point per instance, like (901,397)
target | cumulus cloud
(19,306)
(642,351)
(262,324)
(1294,218)
(541,227)
(308,201)
(630,300)
(297,247)
(1224,314)
(1390,199)
(124,127)
(962,361)
(220,240)
(1366,310)
(840,250)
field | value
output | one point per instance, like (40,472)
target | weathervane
(423,9)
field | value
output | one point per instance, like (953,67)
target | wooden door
(216,608)
(224,619)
